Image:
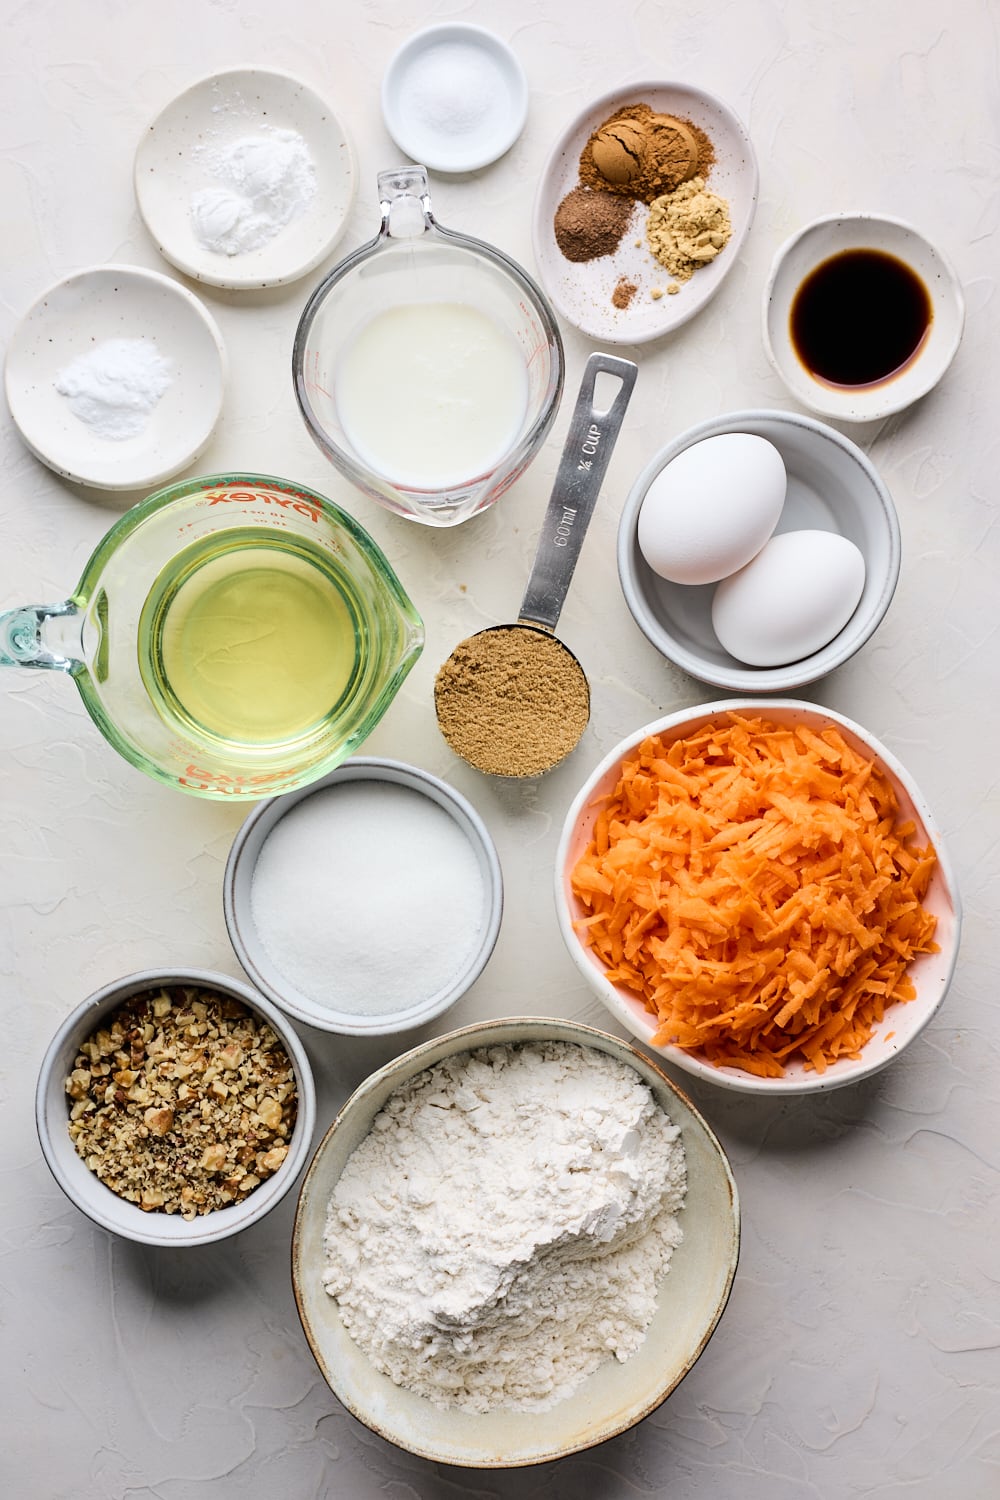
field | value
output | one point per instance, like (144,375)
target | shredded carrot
(755,885)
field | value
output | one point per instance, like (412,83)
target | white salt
(113,387)
(368,897)
(453,88)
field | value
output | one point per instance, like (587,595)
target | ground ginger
(687,228)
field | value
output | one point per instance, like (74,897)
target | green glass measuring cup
(233,636)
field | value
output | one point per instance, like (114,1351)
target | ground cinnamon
(589,224)
(640,153)
(623,292)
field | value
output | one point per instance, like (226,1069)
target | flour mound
(502,1229)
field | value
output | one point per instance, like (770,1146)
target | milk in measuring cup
(432,394)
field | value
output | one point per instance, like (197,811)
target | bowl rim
(269,812)
(466,1038)
(143,1227)
(764,680)
(863,408)
(487,42)
(734,1079)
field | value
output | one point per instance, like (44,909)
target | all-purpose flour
(502,1229)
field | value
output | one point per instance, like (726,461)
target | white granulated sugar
(501,1230)
(454,89)
(368,897)
(262,183)
(114,386)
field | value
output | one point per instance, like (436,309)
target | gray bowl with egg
(832,488)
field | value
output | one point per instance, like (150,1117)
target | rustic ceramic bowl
(829,236)
(930,972)
(691,1301)
(832,486)
(86,1190)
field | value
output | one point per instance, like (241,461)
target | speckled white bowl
(77,316)
(84,1188)
(218,111)
(931,972)
(829,236)
(832,486)
(691,1298)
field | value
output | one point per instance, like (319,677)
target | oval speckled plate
(582,291)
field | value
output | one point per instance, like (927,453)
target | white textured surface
(859,1354)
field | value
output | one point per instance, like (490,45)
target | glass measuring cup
(411,280)
(233,636)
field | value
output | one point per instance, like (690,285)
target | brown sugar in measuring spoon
(512,700)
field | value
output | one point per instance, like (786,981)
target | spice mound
(182,1101)
(686,229)
(756,887)
(502,1229)
(114,387)
(589,224)
(512,701)
(641,153)
(260,184)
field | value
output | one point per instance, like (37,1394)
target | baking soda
(262,183)
(114,387)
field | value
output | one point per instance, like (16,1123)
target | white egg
(712,508)
(789,600)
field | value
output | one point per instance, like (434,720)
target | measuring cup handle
(585,457)
(23,637)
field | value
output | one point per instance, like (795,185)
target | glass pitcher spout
(46,636)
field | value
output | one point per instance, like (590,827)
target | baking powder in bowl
(502,1229)
(368,897)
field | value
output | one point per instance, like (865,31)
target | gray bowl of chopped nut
(175,1107)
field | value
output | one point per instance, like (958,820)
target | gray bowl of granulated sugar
(551,1308)
(366,903)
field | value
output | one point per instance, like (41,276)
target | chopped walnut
(183,1101)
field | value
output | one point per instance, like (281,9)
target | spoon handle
(589,443)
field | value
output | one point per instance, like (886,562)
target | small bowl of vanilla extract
(862,315)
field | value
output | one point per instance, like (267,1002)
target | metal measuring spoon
(512,700)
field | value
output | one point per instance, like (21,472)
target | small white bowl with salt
(366,903)
(455,97)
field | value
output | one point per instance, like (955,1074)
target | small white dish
(931,973)
(690,1300)
(258,962)
(179,157)
(86,1190)
(821,240)
(582,291)
(75,317)
(832,486)
(454,97)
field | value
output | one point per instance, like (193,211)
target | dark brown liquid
(859,318)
